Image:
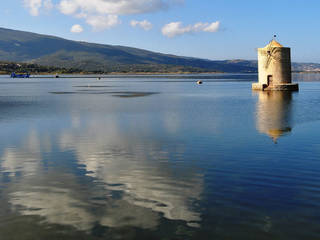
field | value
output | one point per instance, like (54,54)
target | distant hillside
(306,67)
(19,46)
(296,67)
(45,50)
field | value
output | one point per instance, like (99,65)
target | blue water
(158,157)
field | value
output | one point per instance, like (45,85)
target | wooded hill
(74,57)
(19,46)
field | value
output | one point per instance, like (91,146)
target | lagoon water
(158,157)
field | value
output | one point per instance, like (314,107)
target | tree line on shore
(10,67)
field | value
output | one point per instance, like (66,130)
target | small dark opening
(270,80)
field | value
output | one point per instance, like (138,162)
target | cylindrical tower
(274,65)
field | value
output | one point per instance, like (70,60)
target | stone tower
(274,65)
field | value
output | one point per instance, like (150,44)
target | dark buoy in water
(199,82)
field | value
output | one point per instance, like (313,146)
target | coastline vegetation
(9,67)
(141,69)
(36,69)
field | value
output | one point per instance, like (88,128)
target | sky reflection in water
(188,162)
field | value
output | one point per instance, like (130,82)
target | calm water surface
(158,158)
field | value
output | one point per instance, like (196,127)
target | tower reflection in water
(274,113)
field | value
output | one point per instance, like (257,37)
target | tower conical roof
(277,133)
(273,44)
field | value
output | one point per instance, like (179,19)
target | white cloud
(68,7)
(123,7)
(100,23)
(176,28)
(33,5)
(213,27)
(103,14)
(146,25)
(76,28)
(47,4)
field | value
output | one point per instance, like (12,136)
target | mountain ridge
(47,50)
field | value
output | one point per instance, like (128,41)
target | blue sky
(213,29)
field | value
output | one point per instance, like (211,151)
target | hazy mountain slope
(53,51)
(298,67)
(19,46)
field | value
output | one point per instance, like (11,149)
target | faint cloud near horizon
(146,25)
(76,28)
(101,22)
(34,6)
(174,29)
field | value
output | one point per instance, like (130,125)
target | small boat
(14,75)
(199,82)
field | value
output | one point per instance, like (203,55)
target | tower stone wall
(274,66)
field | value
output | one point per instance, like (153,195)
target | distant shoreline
(93,75)
(120,73)
(306,72)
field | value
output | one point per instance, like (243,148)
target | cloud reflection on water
(139,167)
(26,159)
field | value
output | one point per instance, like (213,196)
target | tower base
(276,87)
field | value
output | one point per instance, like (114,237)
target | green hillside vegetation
(9,67)
(74,57)
(18,46)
